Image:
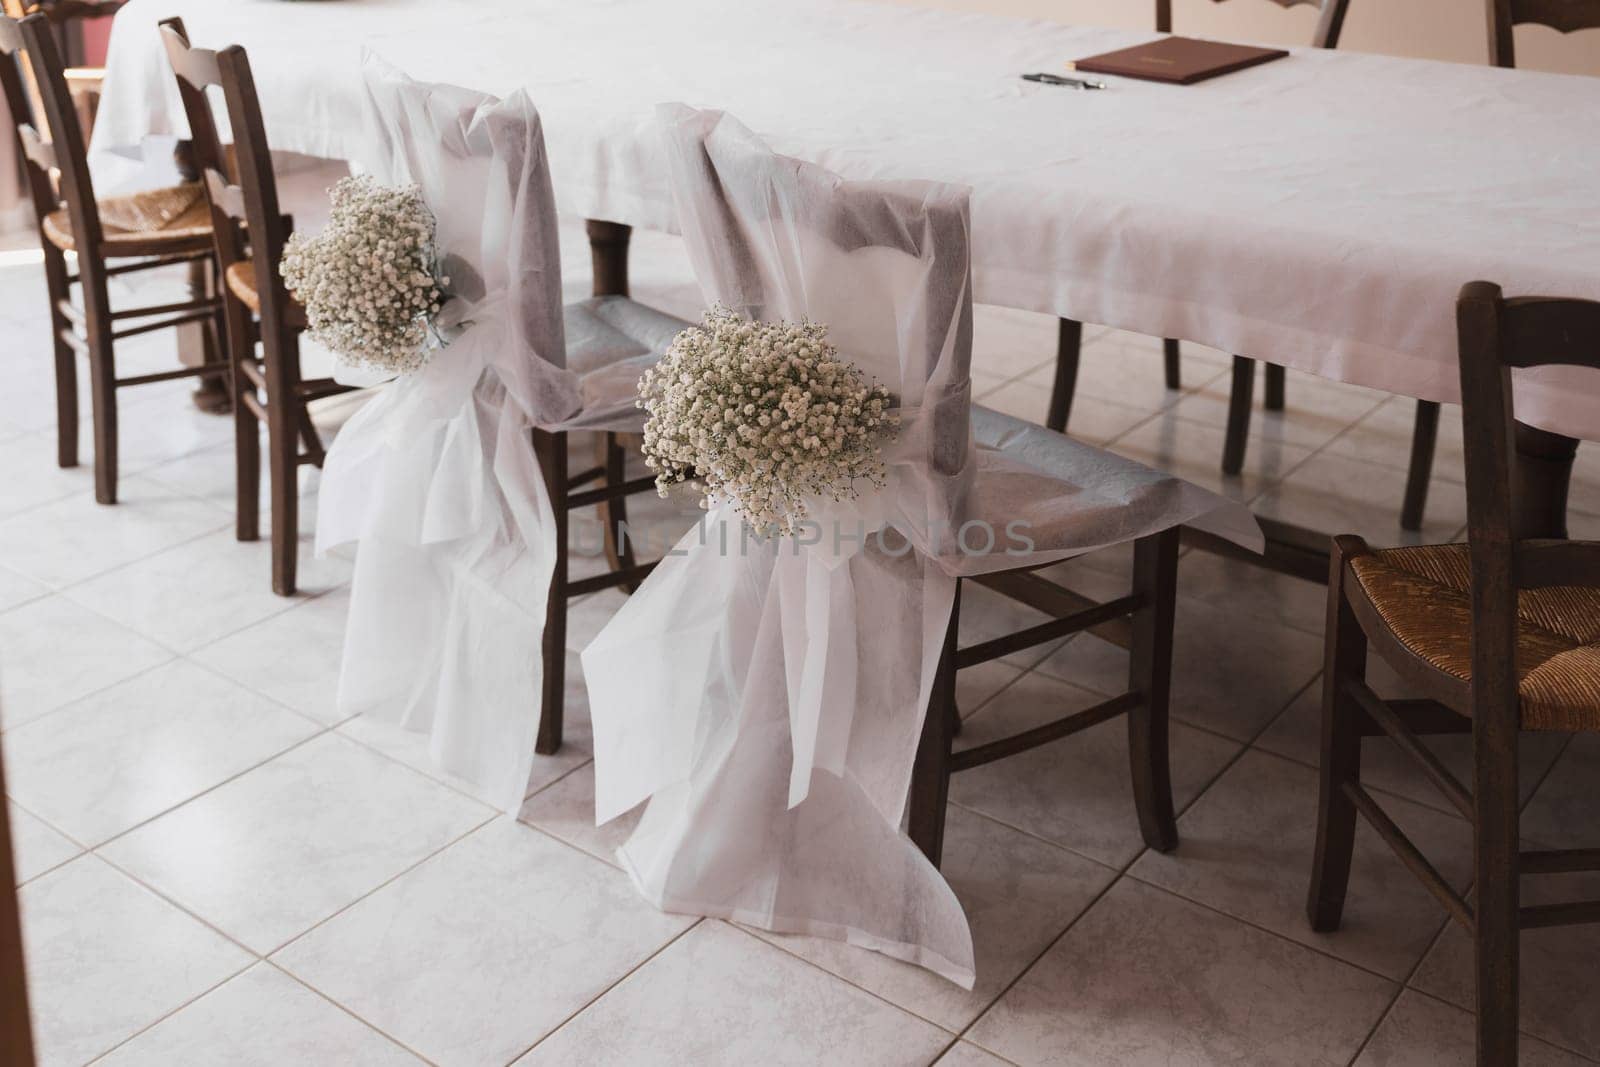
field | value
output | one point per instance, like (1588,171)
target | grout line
(596,998)
(452,842)
(297,980)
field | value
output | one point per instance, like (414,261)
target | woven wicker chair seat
(241,279)
(152,223)
(1423,596)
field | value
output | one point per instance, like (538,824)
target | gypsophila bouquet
(370,282)
(765,415)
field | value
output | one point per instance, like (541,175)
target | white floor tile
(1420,1031)
(292,657)
(966,1054)
(106,958)
(1560,983)
(192,594)
(484,949)
(110,761)
(15,589)
(35,847)
(1019,894)
(53,651)
(1076,792)
(1246,849)
(32,477)
(720,996)
(262,1018)
(274,851)
(75,538)
(1148,978)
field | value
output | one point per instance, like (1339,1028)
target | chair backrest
(1497,335)
(251,199)
(34,79)
(1329,24)
(33,147)
(885,265)
(196,71)
(1565,16)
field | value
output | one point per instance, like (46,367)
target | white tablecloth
(1321,211)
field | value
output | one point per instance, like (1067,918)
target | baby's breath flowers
(765,415)
(370,281)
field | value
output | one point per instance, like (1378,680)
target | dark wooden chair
(111,237)
(1496,636)
(249,232)
(1565,16)
(1242,387)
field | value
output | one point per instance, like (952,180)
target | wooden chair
(1242,388)
(1497,636)
(249,233)
(111,237)
(1565,16)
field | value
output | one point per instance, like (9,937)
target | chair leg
(614,513)
(55,270)
(1244,384)
(1344,658)
(551,450)
(930,776)
(1272,392)
(1172,353)
(239,334)
(1424,436)
(1069,345)
(283,450)
(103,387)
(1497,938)
(1155,578)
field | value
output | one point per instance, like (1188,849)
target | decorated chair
(1495,637)
(267,386)
(107,238)
(785,705)
(452,481)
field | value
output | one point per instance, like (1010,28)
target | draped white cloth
(435,478)
(767,697)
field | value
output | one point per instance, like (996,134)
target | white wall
(1434,29)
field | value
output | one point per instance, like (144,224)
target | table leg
(1543,477)
(608,251)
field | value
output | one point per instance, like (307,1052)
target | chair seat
(152,223)
(1423,595)
(241,281)
(605,330)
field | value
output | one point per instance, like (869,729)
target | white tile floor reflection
(217,870)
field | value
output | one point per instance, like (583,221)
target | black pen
(1056,79)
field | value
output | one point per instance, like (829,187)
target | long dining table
(1320,212)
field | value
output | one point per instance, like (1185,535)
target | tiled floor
(217,870)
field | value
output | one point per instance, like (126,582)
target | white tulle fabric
(434,478)
(767,698)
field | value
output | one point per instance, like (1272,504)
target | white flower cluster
(370,281)
(763,414)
